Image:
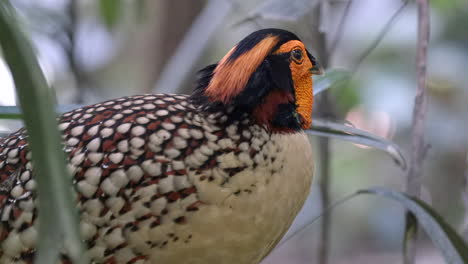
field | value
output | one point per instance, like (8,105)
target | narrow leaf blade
(326,128)
(452,246)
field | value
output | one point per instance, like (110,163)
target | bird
(216,176)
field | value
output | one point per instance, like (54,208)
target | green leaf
(327,128)
(58,221)
(110,11)
(452,246)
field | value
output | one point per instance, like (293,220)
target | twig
(324,109)
(381,35)
(419,147)
(70,49)
(464,229)
(340,30)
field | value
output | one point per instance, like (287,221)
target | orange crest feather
(230,77)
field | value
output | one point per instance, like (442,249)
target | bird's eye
(297,55)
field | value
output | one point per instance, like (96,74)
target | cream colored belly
(245,218)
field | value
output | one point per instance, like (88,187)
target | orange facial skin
(302,79)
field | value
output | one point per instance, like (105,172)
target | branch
(464,229)
(340,30)
(381,35)
(324,109)
(419,147)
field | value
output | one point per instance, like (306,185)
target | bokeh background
(93,50)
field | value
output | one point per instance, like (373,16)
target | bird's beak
(317,69)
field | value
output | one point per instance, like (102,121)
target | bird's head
(268,75)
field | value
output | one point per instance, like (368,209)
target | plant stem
(419,147)
(58,219)
(324,109)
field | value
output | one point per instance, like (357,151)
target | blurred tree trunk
(166,23)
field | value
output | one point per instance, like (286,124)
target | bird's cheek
(304,99)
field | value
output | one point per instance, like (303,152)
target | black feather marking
(286,116)
(254,38)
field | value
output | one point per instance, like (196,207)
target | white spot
(93,130)
(176,119)
(119,178)
(138,131)
(181,182)
(184,132)
(78,130)
(127,111)
(93,175)
(166,184)
(29,237)
(64,126)
(106,132)
(168,126)
(109,123)
(245,159)
(95,157)
(122,146)
(149,106)
(30,185)
(138,101)
(195,133)
(152,168)
(94,144)
(108,187)
(244,146)
(178,165)
(158,205)
(226,143)
(115,204)
(123,128)
(86,189)
(87,230)
(13,153)
(117,116)
(162,112)
(72,141)
(116,157)
(12,245)
(142,120)
(210,137)
(135,173)
(17,191)
(78,159)
(172,152)
(25,176)
(159,101)
(86,116)
(180,107)
(115,238)
(137,142)
(179,142)
(102,108)
(206,150)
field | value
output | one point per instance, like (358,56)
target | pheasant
(212,177)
